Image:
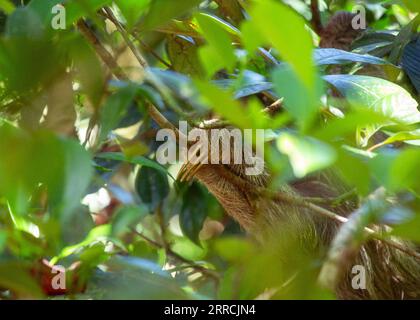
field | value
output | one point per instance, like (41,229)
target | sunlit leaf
(306,155)
(379,95)
(288,35)
(302,103)
(218,53)
(7,6)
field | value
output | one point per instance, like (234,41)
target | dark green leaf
(161,11)
(193,212)
(152,187)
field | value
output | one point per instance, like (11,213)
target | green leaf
(7,6)
(279,25)
(152,186)
(88,70)
(78,9)
(183,54)
(218,53)
(247,84)
(138,160)
(134,278)
(3,240)
(400,137)
(397,171)
(327,56)
(126,218)
(193,212)
(306,155)
(161,11)
(96,234)
(223,103)
(348,165)
(379,95)
(409,230)
(231,30)
(302,103)
(61,115)
(234,249)
(413,5)
(404,173)
(133,10)
(15,276)
(115,108)
(61,165)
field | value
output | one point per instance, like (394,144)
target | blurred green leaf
(66,174)
(234,249)
(413,5)
(379,95)
(152,187)
(88,70)
(288,35)
(183,54)
(133,10)
(138,160)
(132,278)
(193,212)
(126,218)
(161,11)
(301,103)
(306,154)
(115,108)
(79,8)
(16,276)
(7,6)
(223,103)
(327,56)
(218,53)
(409,230)
(96,234)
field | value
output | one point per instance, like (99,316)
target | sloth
(339,32)
(390,273)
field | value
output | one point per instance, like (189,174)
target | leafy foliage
(79,182)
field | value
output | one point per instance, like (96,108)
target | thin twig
(102,52)
(316,17)
(151,78)
(180,258)
(301,202)
(153,53)
(274,107)
(334,201)
(110,62)
(125,36)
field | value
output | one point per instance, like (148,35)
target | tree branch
(316,18)
(180,258)
(110,62)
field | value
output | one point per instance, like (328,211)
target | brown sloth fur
(391,273)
